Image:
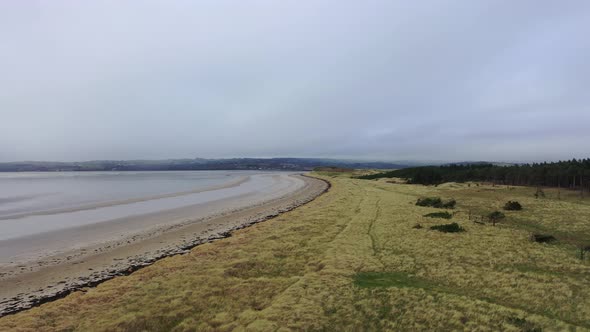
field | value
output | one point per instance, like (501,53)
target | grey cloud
(439,80)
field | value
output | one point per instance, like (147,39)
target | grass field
(352,260)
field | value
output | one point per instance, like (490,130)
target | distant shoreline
(198,164)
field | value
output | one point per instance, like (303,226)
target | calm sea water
(28,193)
(45,213)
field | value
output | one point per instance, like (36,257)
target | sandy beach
(52,264)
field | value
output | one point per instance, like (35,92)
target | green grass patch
(389,279)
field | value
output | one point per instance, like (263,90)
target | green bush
(449,204)
(444,215)
(448,228)
(436,202)
(430,201)
(542,238)
(512,206)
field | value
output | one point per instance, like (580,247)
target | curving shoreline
(76,273)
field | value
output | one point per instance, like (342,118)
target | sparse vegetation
(444,215)
(512,206)
(524,325)
(540,193)
(351,261)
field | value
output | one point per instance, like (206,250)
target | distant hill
(289,164)
(465,163)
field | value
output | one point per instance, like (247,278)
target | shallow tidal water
(33,203)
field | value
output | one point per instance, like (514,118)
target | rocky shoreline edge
(27,301)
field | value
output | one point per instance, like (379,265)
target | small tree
(495,217)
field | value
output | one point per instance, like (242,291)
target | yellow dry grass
(352,261)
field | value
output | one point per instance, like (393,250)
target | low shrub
(512,206)
(436,202)
(542,238)
(417,226)
(584,248)
(449,204)
(448,228)
(444,215)
(430,201)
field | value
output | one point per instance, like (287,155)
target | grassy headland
(353,260)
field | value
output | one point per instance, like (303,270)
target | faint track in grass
(371,230)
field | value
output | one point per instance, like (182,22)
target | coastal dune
(38,266)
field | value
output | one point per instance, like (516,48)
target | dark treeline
(573,174)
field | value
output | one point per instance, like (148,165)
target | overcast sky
(388,80)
